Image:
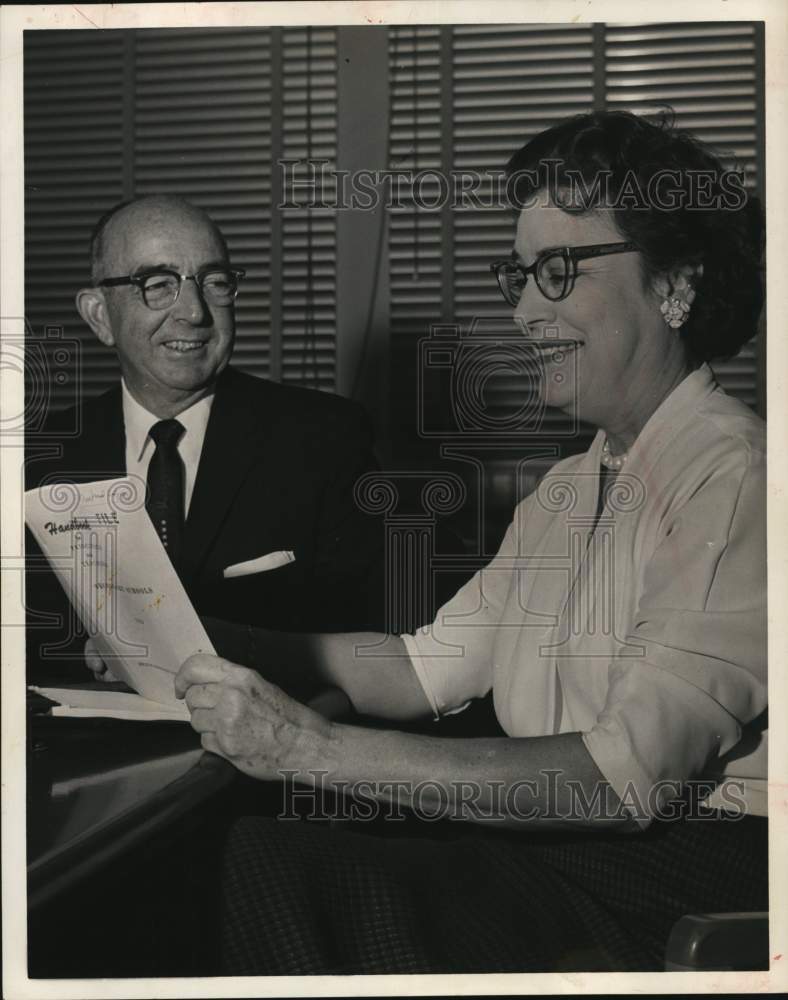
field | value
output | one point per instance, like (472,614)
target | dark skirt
(301,898)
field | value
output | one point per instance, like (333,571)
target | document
(110,561)
(87,704)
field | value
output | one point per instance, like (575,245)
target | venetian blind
(205,113)
(415,237)
(464,97)
(202,129)
(76,117)
(709,74)
(509,82)
(308,251)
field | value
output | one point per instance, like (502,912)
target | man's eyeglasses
(160,288)
(554,270)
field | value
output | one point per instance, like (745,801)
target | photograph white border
(13,21)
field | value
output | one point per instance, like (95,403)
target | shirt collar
(138,422)
(666,422)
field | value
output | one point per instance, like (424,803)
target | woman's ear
(680,282)
(92,308)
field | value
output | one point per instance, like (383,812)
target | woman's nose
(533,308)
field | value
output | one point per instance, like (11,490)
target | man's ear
(682,281)
(92,308)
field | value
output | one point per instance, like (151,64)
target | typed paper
(110,561)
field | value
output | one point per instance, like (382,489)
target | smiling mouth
(554,351)
(184,346)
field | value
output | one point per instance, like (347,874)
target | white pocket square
(271,561)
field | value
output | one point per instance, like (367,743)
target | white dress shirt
(140,446)
(648,636)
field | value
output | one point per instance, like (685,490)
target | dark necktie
(165,487)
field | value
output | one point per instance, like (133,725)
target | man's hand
(96,664)
(250,722)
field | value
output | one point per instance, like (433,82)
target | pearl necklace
(609,461)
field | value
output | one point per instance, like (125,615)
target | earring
(675,312)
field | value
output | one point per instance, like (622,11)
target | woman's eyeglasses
(554,270)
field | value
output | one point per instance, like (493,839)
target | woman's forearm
(550,781)
(374,670)
(547,780)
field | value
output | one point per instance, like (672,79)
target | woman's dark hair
(672,198)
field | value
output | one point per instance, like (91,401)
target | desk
(126,822)
(99,788)
(121,817)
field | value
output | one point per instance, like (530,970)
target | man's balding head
(169,356)
(154,211)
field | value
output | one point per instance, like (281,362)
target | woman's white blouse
(646,635)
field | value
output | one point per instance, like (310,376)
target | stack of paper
(111,704)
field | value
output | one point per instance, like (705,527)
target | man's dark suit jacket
(276,473)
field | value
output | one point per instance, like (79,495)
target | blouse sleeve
(701,623)
(452,657)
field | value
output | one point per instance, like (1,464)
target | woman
(621,628)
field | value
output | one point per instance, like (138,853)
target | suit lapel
(99,451)
(232,445)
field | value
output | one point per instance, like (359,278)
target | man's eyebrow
(164,266)
(161,266)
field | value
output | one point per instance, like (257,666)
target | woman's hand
(251,722)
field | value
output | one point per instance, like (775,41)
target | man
(252,489)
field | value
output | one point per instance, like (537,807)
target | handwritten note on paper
(104,550)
